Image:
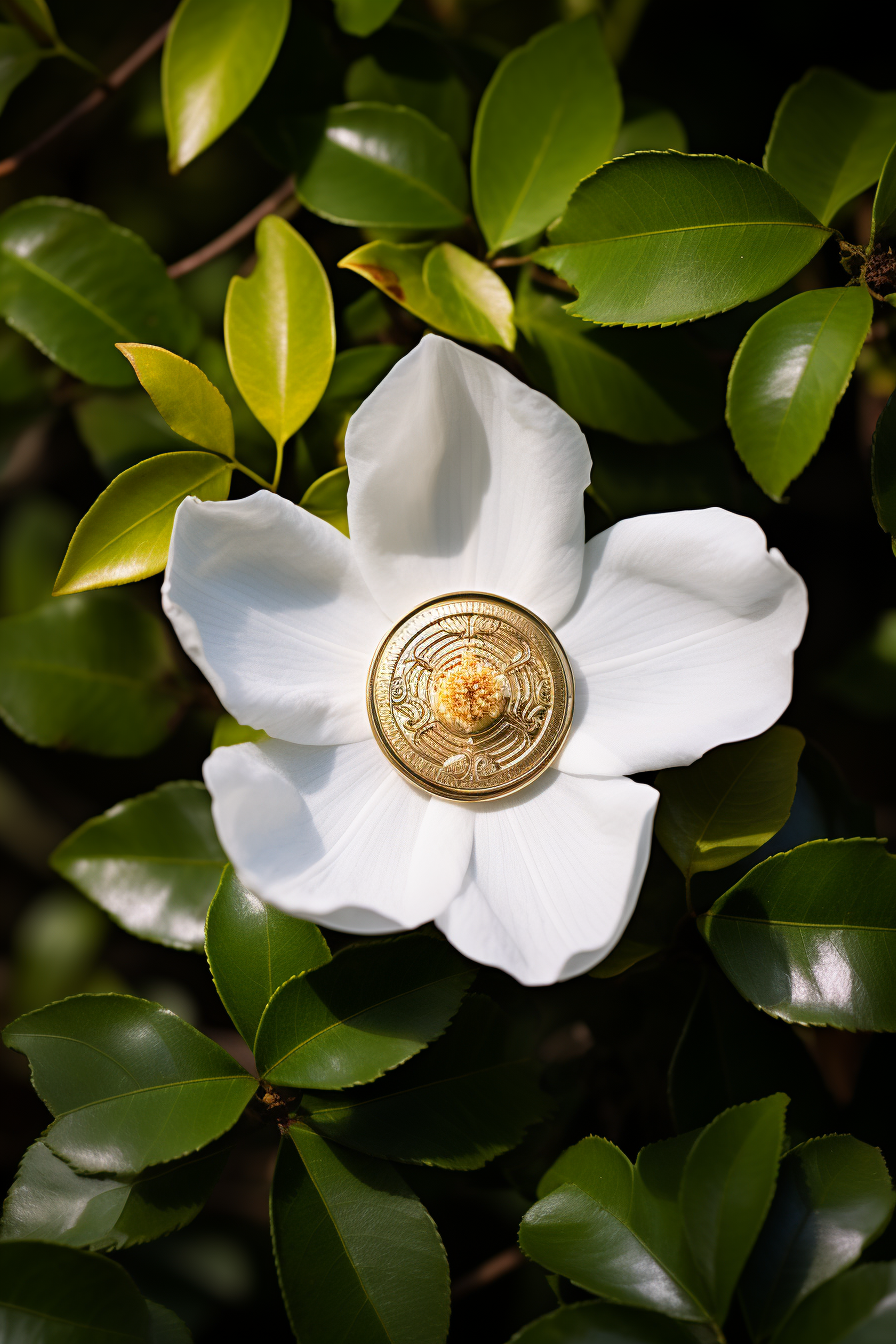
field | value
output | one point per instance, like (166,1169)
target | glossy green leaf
(50,1201)
(363,17)
(616,1230)
(57,1295)
(327,498)
(279,330)
(883,213)
(229,733)
(32,544)
(829,140)
(787,378)
(652,387)
(381,167)
(253,949)
(727,804)
(74,284)
(90,673)
(370,1008)
(186,400)
(834,1196)
(124,535)
(791,944)
(216,58)
(549,117)
(358,1256)
(130,1084)
(18,57)
(443,99)
(602,1323)
(727,1187)
(658,238)
(153,863)
(883,467)
(468,1097)
(646,126)
(856,1308)
(120,429)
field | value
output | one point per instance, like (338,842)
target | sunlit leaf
(186,400)
(327,498)
(363,17)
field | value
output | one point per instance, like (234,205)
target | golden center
(470,696)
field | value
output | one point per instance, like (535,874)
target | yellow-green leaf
(326,498)
(183,396)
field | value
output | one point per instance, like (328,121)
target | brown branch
(237,231)
(94,99)
(487,1272)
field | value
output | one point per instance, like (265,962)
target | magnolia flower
(367,809)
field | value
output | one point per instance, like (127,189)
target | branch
(94,99)
(237,231)
(487,1272)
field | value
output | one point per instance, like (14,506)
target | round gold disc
(470,696)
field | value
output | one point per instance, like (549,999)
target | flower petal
(554,876)
(336,835)
(268,601)
(682,638)
(462,478)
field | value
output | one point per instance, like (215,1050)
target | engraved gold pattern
(437,641)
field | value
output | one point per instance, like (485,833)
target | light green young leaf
(327,498)
(280,331)
(363,17)
(829,140)
(58,1295)
(787,377)
(216,58)
(153,863)
(659,238)
(18,57)
(125,533)
(229,733)
(186,400)
(549,117)
(883,213)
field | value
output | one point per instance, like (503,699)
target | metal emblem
(470,696)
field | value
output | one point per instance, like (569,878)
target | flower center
(470,696)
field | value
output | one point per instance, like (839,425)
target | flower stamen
(471,696)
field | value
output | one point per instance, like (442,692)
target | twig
(487,1272)
(94,99)
(237,231)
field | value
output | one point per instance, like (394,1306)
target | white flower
(679,628)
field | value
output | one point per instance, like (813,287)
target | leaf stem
(278,468)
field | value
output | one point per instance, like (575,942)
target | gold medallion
(470,696)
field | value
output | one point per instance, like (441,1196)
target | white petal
(464,478)
(682,638)
(268,601)
(554,877)
(336,835)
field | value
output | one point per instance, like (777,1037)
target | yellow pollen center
(471,696)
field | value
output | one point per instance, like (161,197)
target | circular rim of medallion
(538,745)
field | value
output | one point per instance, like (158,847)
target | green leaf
(279,330)
(549,116)
(363,17)
(18,57)
(381,167)
(856,1308)
(358,1256)
(652,387)
(216,58)
(153,863)
(33,541)
(74,284)
(787,377)
(124,535)
(829,140)
(728,1184)
(57,1295)
(590,1322)
(89,673)
(130,1084)
(229,733)
(186,400)
(658,238)
(165,1327)
(443,98)
(647,126)
(50,1201)
(327,498)
(370,1008)
(463,1101)
(883,213)
(616,1229)
(355,374)
(834,1197)
(883,467)
(34,16)
(791,944)
(56,944)
(730,802)
(120,429)
(253,949)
